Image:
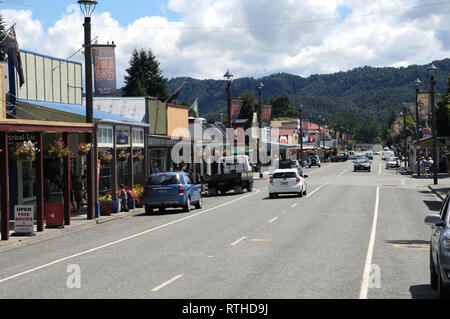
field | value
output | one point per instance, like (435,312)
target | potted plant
(106,205)
(59,150)
(131,198)
(122,156)
(139,192)
(105,157)
(138,157)
(84,148)
(27,151)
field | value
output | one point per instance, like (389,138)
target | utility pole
(417,84)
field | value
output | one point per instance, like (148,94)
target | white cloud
(259,37)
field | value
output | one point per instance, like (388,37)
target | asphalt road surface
(355,235)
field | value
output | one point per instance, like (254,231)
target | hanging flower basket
(59,150)
(122,156)
(104,157)
(84,148)
(138,157)
(26,152)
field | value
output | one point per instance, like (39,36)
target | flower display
(59,150)
(84,148)
(105,157)
(138,157)
(27,151)
(122,156)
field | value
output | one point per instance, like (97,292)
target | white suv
(287,181)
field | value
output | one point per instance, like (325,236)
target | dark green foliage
(144,76)
(443,113)
(366,92)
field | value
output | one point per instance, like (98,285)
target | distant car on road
(171,189)
(313,160)
(287,181)
(361,164)
(392,162)
(290,164)
(369,156)
(341,157)
(440,249)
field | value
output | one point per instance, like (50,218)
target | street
(354,235)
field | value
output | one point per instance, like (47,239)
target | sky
(251,38)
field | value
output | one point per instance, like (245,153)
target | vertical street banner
(266,115)
(424,105)
(2,92)
(236,105)
(104,59)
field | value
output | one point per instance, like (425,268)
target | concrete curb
(86,224)
(435,192)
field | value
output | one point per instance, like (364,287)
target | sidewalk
(443,186)
(78,222)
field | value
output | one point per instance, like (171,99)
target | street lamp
(88,7)
(229,78)
(404,135)
(301,133)
(260,87)
(432,71)
(417,84)
(322,121)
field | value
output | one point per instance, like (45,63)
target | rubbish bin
(54,215)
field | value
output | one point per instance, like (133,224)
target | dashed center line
(273,219)
(293,205)
(238,241)
(167,283)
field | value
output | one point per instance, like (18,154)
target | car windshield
(163,180)
(362,160)
(284,175)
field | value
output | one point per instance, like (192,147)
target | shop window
(105,180)
(105,136)
(122,173)
(28,180)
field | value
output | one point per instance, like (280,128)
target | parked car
(287,181)
(313,160)
(172,189)
(361,164)
(352,155)
(392,162)
(440,249)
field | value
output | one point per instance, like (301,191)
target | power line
(280,24)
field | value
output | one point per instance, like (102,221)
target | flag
(194,106)
(175,94)
(10,46)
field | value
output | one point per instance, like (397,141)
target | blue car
(172,189)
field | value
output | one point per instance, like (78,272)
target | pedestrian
(423,166)
(77,191)
(123,199)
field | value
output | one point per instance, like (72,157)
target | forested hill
(366,91)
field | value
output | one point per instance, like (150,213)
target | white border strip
(167,282)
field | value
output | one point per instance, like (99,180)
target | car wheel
(442,290)
(187,207)
(271,196)
(304,193)
(433,274)
(162,209)
(250,187)
(148,209)
(300,194)
(198,205)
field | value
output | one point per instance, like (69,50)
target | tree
(248,107)
(3,56)
(281,107)
(443,113)
(144,76)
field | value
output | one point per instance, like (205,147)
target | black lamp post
(300,109)
(88,7)
(417,84)
(229,78)
(260,87)
(404,135)
(432,71)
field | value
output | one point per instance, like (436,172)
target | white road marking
(273,219)
(167,282)
(379,171)
(368,266)
(293,205)
(238,241)
(123,239)
(342,173)
(317,189)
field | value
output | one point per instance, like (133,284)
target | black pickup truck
(236,174)
(341,157)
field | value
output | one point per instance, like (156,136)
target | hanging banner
(104,70)
(424,105)
(236,106)
(2,92)
(266,115)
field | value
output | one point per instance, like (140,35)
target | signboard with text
(104,70)
(23,219)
